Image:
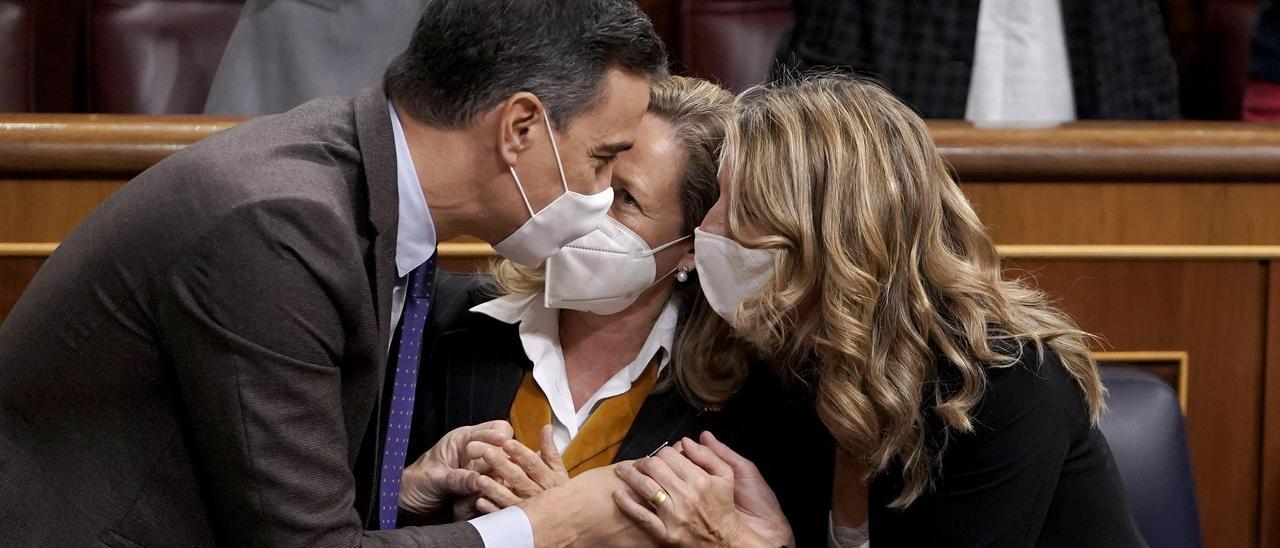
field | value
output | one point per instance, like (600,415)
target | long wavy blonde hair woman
(698,111)
(884,274)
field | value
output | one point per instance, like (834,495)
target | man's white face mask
(604,271)
(567,218)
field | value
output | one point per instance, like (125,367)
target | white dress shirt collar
(540,336)
(416,233)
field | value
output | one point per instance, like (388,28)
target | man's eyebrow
(613,148)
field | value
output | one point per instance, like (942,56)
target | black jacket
(1264,49)
(477,364)
(1034,472)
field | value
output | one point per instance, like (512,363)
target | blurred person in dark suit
(1262,92)
(1039,61)
(226,350)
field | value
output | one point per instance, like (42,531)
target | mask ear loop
(520,187)
(651,252)
(556,149)
(674,268)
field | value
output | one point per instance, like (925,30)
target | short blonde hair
(698,111)
(874,234)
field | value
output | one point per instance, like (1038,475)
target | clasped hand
(702,494)
(711,496)
(480,469)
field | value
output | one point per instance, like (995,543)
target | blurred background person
(1039,61)
(283,53)
(1262,92)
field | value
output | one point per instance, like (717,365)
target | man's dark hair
(467,56)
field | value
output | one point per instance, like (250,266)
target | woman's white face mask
(729,272)
(604,271)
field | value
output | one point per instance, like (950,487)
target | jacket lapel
(377,148)
(609,424)
(363,400)
(485,364)
(665,417)
(482,373)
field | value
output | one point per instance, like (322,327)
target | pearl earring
(682,275)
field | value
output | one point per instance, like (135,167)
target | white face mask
(564,220)
(604,271)
(730,273)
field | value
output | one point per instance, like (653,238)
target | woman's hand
(756,504)
(511,472)
(439,476)
(687,499)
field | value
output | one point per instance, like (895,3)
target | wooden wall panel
(1143,213)
(1016,213)
(1215,311)
(48,210)
(1269,505)
(15,274)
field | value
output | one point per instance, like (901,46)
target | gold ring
(658,498)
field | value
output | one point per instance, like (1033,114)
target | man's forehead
(621,104)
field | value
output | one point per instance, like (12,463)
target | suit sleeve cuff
(506,527)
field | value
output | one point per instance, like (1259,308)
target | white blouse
(540,336)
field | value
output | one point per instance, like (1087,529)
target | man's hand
(517,472)
(582,513)
(439,476)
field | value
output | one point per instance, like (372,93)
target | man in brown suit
(217,355)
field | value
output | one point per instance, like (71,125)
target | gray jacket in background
(286,52)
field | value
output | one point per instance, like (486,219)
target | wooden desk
(1162,238)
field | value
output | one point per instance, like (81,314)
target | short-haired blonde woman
(842,248)
(589,355)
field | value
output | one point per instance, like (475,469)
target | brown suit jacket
(202,361)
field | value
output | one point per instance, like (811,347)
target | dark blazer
(922,50)
(202,360)
(478,362)
(1034,472)
(1264,48)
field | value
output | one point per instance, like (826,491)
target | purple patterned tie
(417,306)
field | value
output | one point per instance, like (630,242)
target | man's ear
(517,118)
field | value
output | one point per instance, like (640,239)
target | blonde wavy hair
(698,111)
(884,275)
